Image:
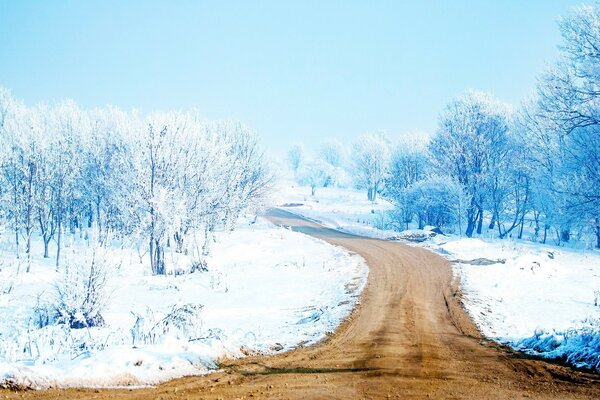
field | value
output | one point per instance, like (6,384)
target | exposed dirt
(409,338)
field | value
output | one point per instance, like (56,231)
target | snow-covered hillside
(541,299)
(267,289)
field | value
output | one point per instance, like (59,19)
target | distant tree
(371,155)
(315,174)
(408,165)
(332,152)
(295,156)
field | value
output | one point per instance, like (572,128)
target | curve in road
(408,338)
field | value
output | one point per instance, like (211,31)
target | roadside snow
(267,290)
(540,299)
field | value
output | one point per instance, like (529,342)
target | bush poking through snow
(183,322)
(81,292)
(578,346)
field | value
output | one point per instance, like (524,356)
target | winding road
(408,338)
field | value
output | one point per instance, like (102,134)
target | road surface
(408,338)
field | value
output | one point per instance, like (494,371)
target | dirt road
(409,338)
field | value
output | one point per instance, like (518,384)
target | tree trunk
(98,220)
(17,239)
(521,228)
(58,244)
(536,217)
(471,218)
(28,245)
(493,221)
(90,217)
(151,253)
(178,237)
(28,227)
(46,242)
(158,258)
(598,233)
(545,234)
(480,221)
(565,235)
(470,225)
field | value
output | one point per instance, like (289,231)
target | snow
(267,289)
(342,209)
(540,299)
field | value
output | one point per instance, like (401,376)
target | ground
(267,290)
(408,338)
(410,335)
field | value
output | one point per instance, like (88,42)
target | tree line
(168,180)
(491,165)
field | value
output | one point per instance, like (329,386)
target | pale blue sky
(293,71)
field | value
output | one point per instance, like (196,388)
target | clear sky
(293,71)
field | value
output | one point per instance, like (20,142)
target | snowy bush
(81,294)
(182,322)
(578,346)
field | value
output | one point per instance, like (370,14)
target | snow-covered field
(267,289)
(541,299)
(341,209)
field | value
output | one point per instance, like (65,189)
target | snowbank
(538,299)
(267,290)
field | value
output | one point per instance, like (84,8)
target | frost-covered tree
(370,155)
(295,156)
(11,131)
(565,121)
(436,201)
(332,152)
(472,130)
(107,176)
(169,179)
(408,165)
(315,174)
(193,178)
(68,122)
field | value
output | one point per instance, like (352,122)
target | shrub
(81,294)
(183,322)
